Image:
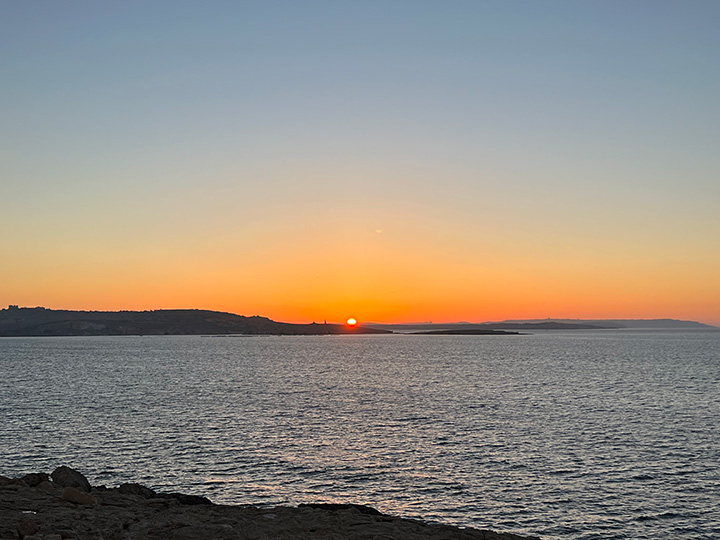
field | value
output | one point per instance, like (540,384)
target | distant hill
(38,321)
(467,332)
(16,321)
(488,328)
(665,324)
(544,324)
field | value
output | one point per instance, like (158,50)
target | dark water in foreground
(611,434)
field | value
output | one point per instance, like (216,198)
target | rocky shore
(63,505)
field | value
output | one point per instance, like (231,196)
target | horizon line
(362,322)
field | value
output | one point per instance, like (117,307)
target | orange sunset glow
(463,171)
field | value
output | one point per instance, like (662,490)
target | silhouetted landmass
(659,324)
(488,328)
(547,324)
(467,332)
(38,321)
(15,321)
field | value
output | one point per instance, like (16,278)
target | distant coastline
(531,325)
(39,321)
(18,321)
(466,332)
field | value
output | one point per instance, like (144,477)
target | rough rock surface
(67,477)
(134,512)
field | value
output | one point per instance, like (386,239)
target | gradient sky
(389,160)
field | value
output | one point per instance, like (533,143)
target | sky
(392,161)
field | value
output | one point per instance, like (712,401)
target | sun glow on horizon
(364,179)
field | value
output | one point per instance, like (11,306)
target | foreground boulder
(35,479)
(52,511)
(66,477)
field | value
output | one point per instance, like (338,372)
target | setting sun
(351,322)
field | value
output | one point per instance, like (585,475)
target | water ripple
(576,436)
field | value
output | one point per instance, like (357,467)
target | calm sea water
(583,435)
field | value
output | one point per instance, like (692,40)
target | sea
(605,434)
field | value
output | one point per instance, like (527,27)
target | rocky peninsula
(38,321)
(64,506)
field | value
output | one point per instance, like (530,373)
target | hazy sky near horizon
(391,161)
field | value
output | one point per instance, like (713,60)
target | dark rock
(67,477)
(187,499)
(18,482)
(27,527)
(35,479)
(137,489)
(165,517)
(333,507)
(76,496)
(46,487)
(206,530)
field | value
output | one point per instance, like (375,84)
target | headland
(39,321)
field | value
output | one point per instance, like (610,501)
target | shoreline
(64,506)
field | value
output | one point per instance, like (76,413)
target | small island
(467,332)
